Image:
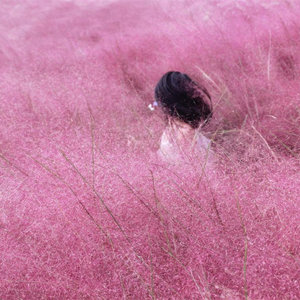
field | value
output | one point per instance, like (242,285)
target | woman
(187,107)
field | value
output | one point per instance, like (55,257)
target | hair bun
(182,98)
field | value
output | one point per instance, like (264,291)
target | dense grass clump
(88,210)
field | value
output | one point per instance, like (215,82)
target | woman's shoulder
(168,149)
(176,151)
(203,143)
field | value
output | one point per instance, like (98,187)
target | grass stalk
(13,165)
(245,247)
(54,174)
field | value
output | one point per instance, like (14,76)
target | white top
(180,143)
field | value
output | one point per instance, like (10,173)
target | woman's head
(183,99)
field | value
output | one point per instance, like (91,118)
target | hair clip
(151,106)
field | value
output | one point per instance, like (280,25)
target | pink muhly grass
(87,209)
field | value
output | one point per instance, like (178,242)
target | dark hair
(183,99)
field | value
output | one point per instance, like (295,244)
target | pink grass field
(87,210)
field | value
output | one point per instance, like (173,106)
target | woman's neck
(181,131)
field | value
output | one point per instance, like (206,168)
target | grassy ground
(88,211)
